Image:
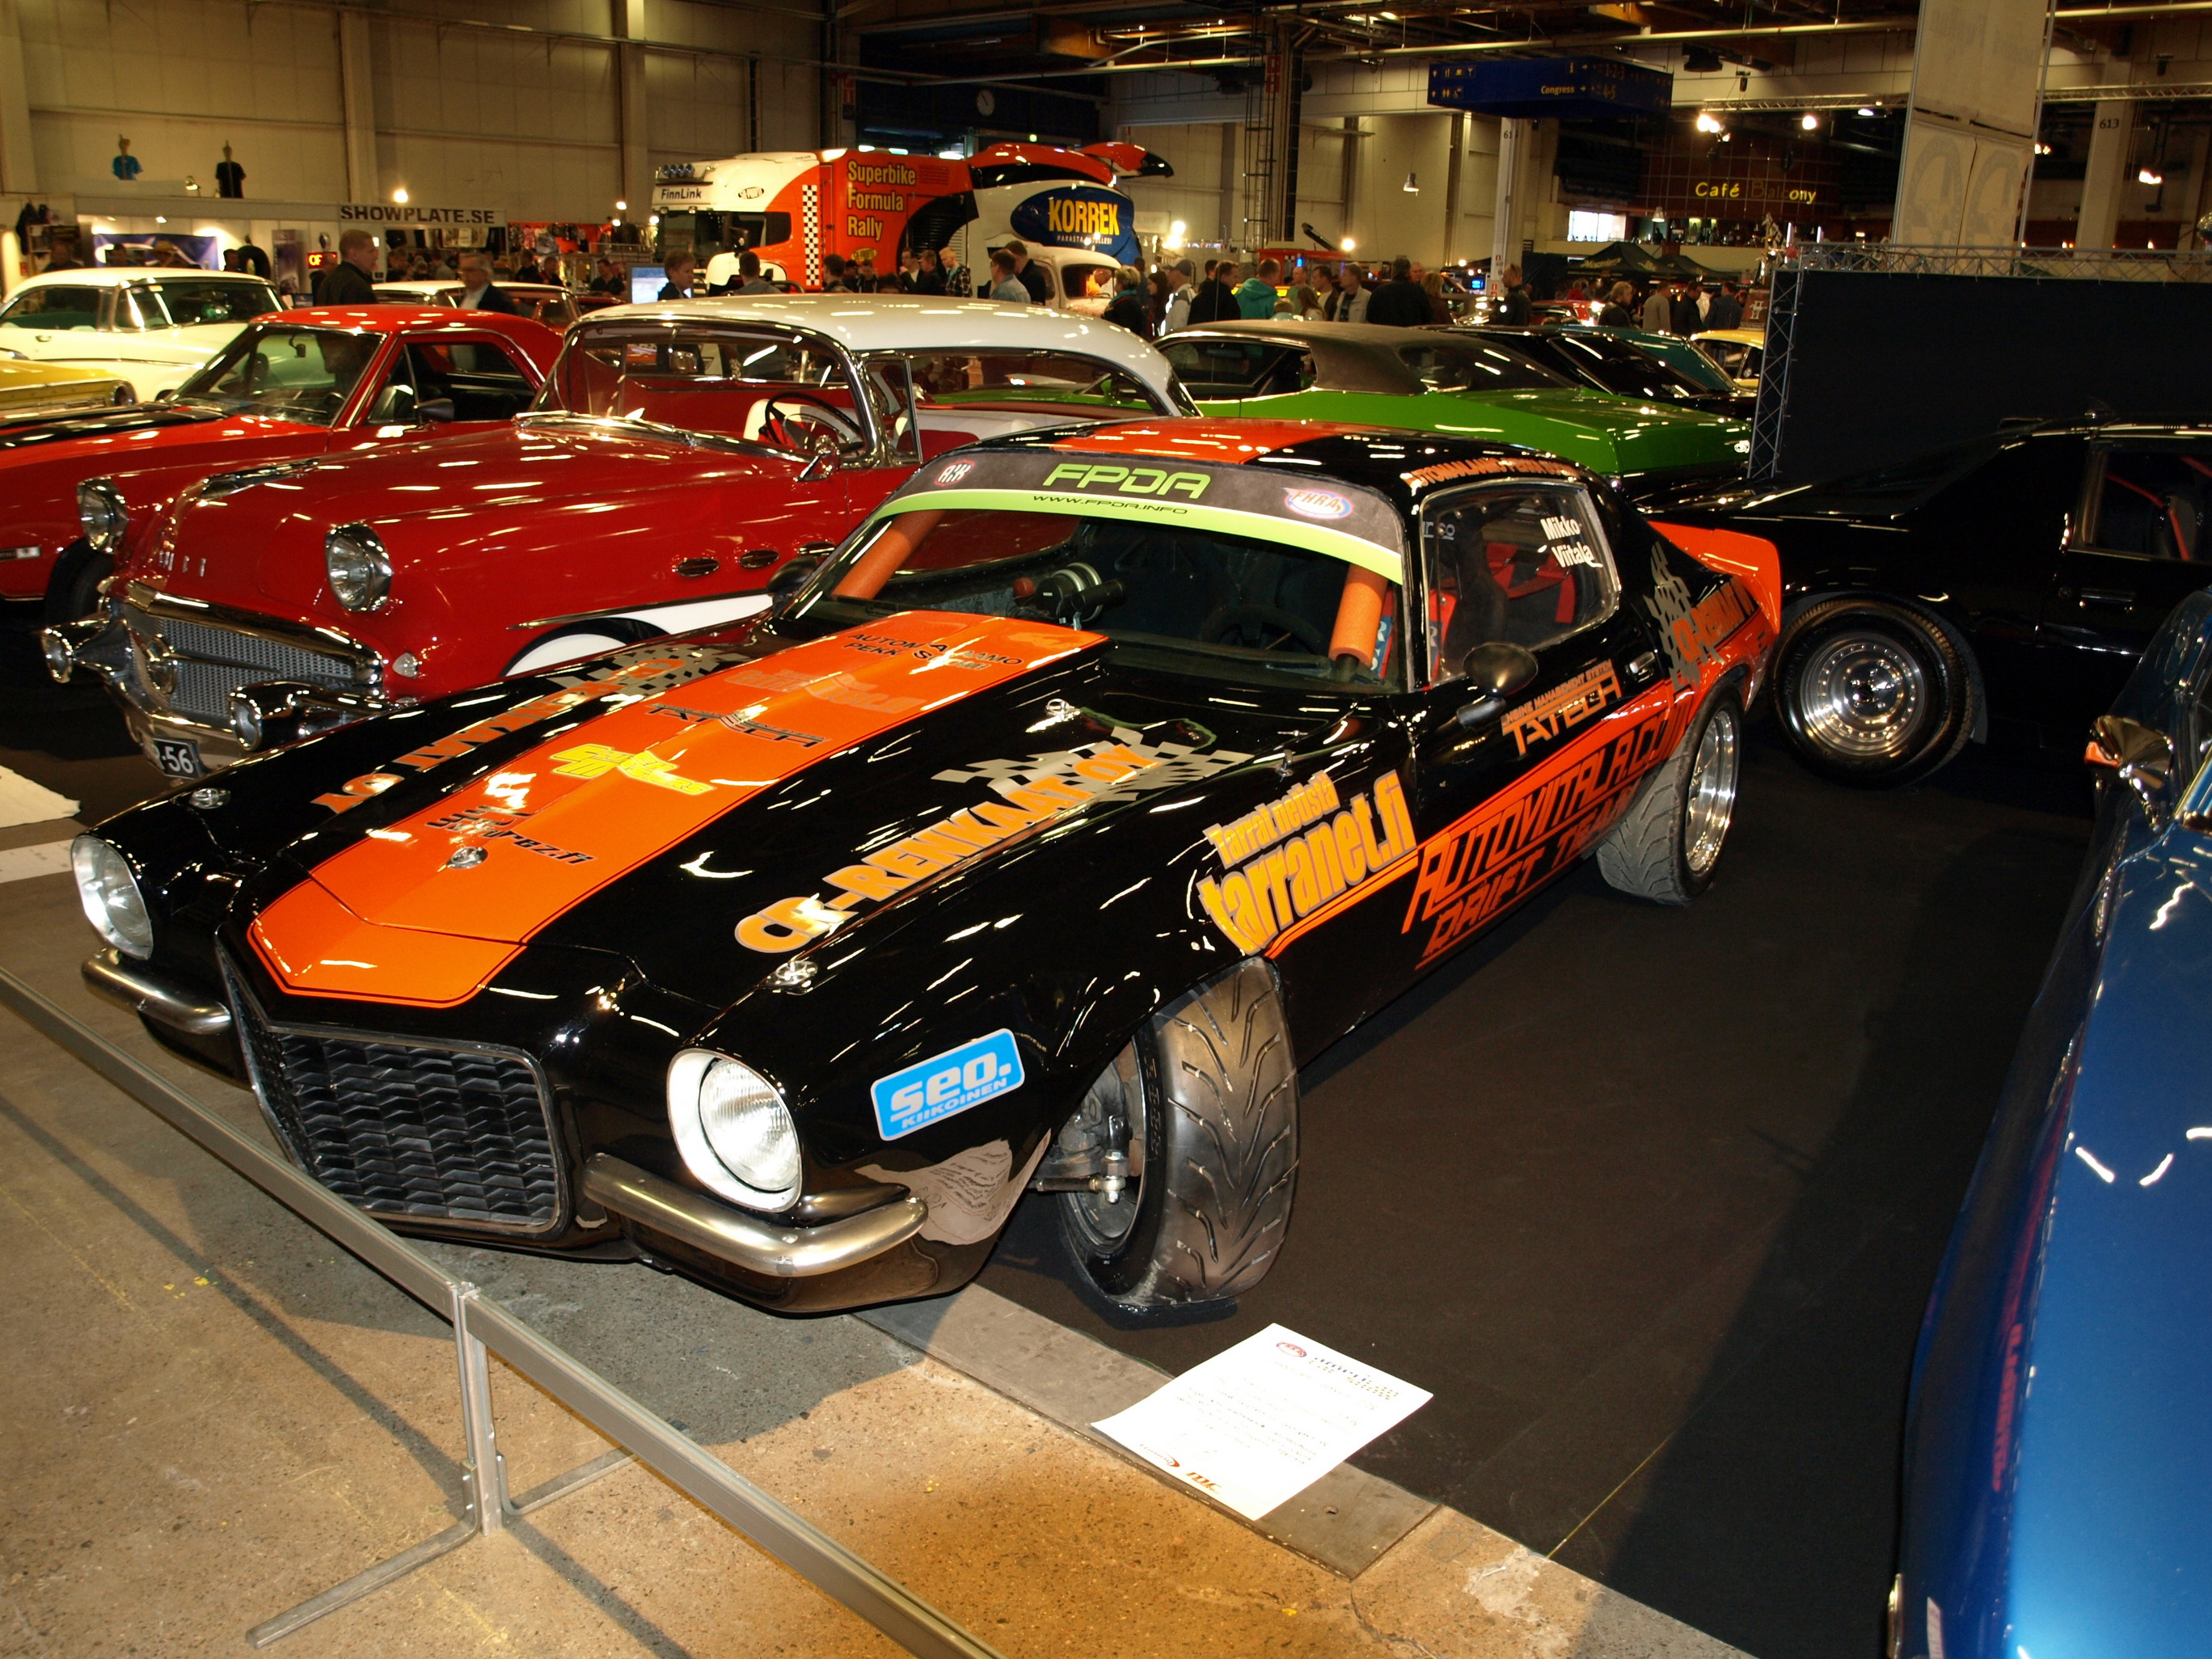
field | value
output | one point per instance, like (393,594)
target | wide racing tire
(1872,693)
(1669,843)
(1208,1097)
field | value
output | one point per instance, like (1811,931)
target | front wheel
(1203,1106)
(74,590)
(1667,844)
(1871,693)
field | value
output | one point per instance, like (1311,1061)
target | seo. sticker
(948,1083)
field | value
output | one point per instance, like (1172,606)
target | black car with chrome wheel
(2002,588)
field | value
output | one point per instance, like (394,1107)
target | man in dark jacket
(348,282)
(1513,306)
(1030,275)
(1215,301)
(1727,309)
(1687,318)
(477,292)
(1400,302)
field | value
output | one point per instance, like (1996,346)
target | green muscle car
(1443,381)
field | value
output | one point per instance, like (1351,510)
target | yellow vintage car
(1739,351)
(31,390)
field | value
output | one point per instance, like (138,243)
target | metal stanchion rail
(480,1325)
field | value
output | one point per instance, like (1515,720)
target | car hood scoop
(425,910)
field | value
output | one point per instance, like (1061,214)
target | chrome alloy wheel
(1863,695)
(1711,799)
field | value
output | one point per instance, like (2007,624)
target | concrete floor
(215,1415)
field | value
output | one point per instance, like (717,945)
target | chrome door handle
(2124,597)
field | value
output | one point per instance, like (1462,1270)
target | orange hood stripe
(424,912)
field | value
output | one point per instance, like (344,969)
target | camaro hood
(751,809)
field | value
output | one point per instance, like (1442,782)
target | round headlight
(734,1130)
(359,569)
(111,897)
(100,512)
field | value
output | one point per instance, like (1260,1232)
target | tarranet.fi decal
(945,1083)
(1291,862)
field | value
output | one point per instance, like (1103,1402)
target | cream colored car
(151,327)
(31,391)
(1741,353)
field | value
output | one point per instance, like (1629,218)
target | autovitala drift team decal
(945,1083)
(1293,862)
(1024,795)
(1506,846)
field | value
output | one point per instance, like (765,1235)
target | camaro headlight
(100,511)
(359,569)
(113,903)
(733,1129)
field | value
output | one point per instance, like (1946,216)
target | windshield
(1900,485)
(187,302)
(1620,368)
(1220,589)
(300,374)
(1682,357)
(763,385)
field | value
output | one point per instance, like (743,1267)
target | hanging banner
(1080,215)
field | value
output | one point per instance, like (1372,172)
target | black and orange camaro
(1097,780)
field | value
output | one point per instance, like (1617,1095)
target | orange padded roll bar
(1359,615)
(880,562)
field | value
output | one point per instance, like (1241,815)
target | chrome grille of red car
(401,1128)
(210,661)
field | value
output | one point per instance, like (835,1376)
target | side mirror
(783,586)
(1495,670)
(394,406)
(435,410)
(2139,755)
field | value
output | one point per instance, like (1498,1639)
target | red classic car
(294,384)
(681,457)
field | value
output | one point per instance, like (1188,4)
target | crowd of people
(1149,304)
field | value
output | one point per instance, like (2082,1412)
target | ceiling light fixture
(400,196)
(1413,186)
(1707,122)
(2150,176)
(1867,109)
(1808,121)
(1349,245)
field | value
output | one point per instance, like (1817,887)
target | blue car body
(2058,1451)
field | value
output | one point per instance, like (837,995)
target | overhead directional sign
(1537,88)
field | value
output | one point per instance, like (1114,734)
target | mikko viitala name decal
(945,1083)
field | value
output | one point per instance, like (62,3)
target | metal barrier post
(480,1327)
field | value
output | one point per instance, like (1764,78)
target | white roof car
(920,322)
(151,326)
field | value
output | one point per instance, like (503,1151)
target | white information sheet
(1254,1427)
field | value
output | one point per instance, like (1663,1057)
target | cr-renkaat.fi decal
(1559,710)
(1290,863)
(1508,846)
(922,1093)
(1025,794)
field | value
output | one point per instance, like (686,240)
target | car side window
(1523,563)
(53,309)
(1222,369)
(2152,502)
(479,377)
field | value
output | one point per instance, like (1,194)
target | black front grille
(412,1128)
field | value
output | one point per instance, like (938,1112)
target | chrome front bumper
(747,1241)
(146,992)
(178,667)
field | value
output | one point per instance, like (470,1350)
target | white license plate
(178,758)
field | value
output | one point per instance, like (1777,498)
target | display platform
(1650,1199)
